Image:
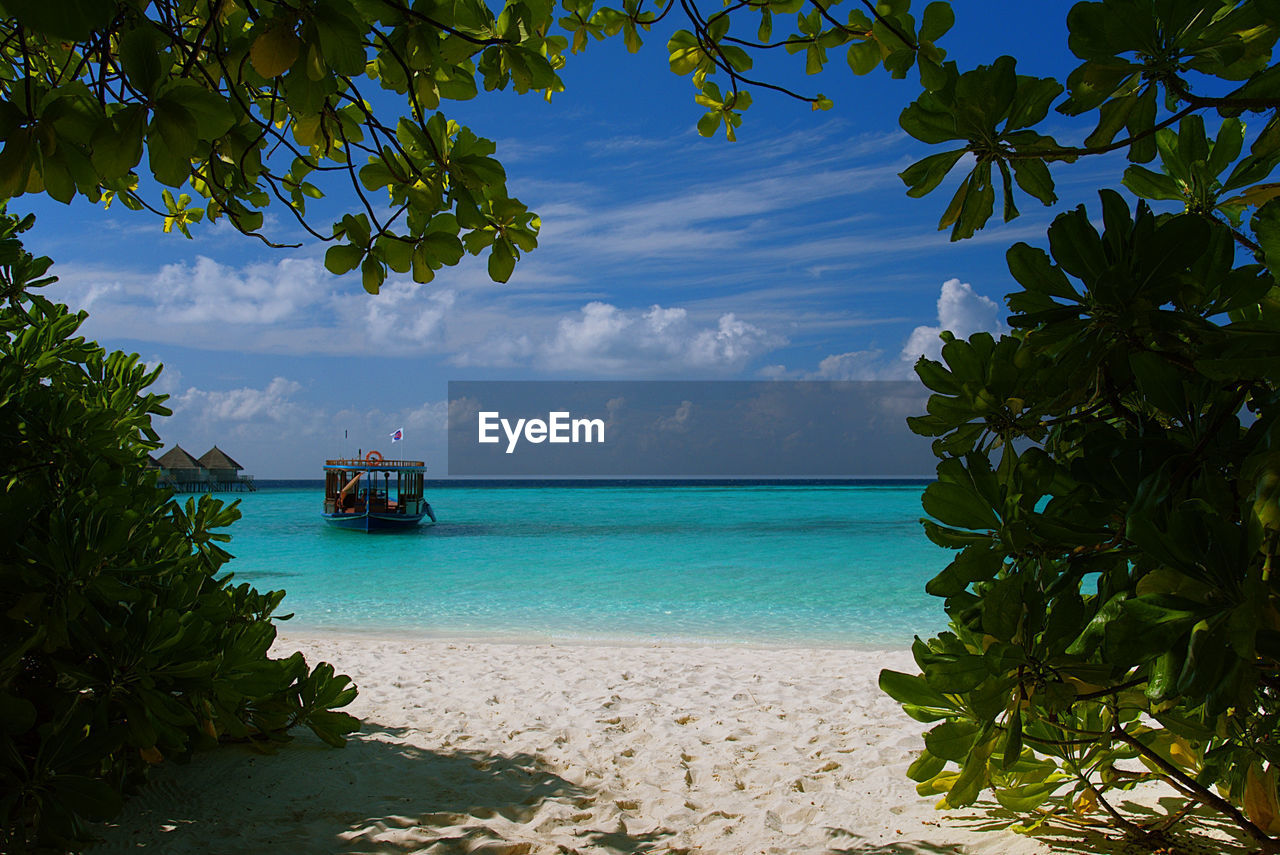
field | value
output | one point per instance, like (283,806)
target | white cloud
(408,312)
(869,364)
(170,380)
(677,422)
(597,332)
(430,416)
(731,345)
(857,365)
(97,291)
(603,338)
(962,311)
(273,403)
(212,293)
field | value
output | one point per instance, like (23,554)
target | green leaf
(1002,608)
(930,120)
(1151,185)
(925,767)
(1076,246)
(938,19)
(1032,100)
(933,76)
(1256,196)
(174,128)
(1027,797)
(974,775)
(1012,747)
(502,260)
(953,673)
(422,265)
(922,177)
(1010,208)
(171,140)
(332,726)
(397,253)
(1266,225)
(911,689)
(117,144)
(1140,122)
(972,565)
(307,97)
(212,114)
(1034,178)
(339,34)
(140,58)
(372,274)
(1112,116)
(951,740)
(977,204)
(1033,270)
(959,506)
(935,376)
(684,51)
(275,49)
(443,247)
(1227,147)
(863,57)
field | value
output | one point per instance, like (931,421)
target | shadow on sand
(846,842)
(383,794)
(377,795)
(1201,832)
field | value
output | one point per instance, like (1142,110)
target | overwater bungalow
(214,472)
(224,473)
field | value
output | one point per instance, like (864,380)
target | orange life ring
(374,457)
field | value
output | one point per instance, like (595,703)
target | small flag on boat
(397,435)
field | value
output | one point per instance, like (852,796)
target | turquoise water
(832,565)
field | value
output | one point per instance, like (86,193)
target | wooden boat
(373,494)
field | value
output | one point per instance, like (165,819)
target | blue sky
(792,253)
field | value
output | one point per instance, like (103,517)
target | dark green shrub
(1109,478)
(120,643)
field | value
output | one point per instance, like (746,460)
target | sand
(506,749)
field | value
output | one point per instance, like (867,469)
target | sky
(792,253)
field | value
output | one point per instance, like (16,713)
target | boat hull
(374,522)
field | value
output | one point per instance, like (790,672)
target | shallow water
(789,565)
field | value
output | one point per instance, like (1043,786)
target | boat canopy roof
(377,465)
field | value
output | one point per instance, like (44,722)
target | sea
(840,564)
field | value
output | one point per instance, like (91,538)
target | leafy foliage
(1109,474)
(244,103)
(1110,478)
(120,643)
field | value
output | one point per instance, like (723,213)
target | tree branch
(1265,841)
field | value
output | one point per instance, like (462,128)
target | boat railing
(365,463)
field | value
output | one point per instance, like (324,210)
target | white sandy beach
(502,749)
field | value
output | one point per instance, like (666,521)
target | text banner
(686,429)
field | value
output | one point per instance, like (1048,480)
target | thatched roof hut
(220,466)
(177,460)
(215,471)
